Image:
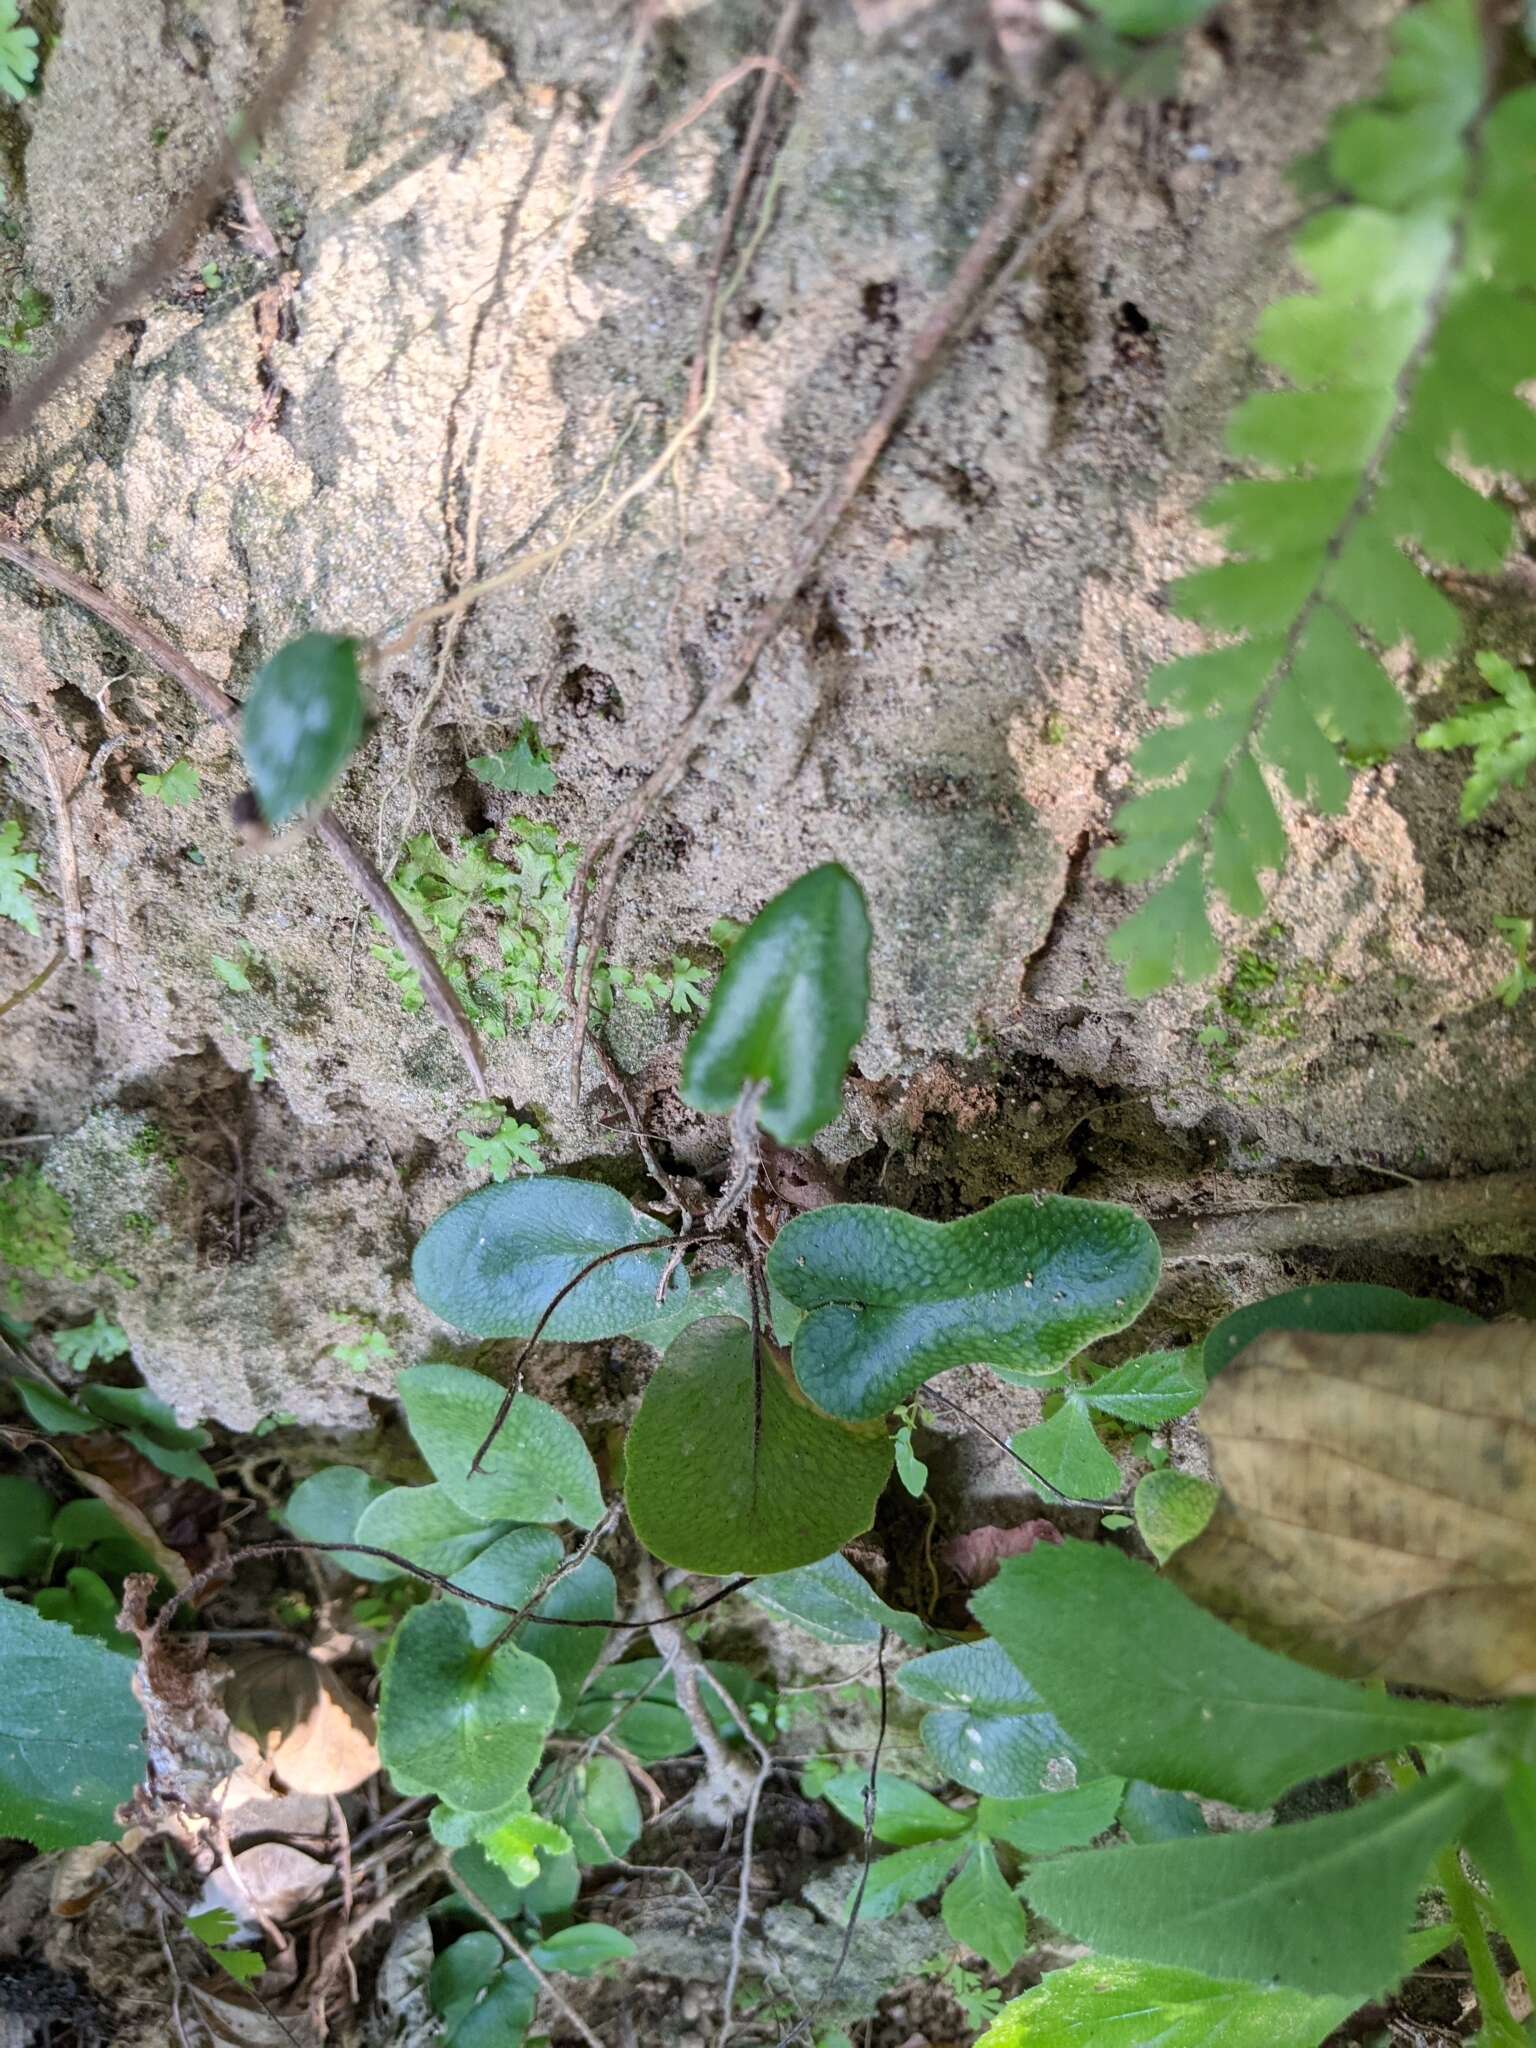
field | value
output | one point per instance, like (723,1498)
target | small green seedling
(1516,933)
(99,1341)
(523,768)
(507,1146)
(1501,730)
(176,788)
(261,1060)
(18,52)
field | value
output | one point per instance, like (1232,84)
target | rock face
(448,367)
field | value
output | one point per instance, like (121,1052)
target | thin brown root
(328,828)
(1001,229)
(63,833)
(15,1001)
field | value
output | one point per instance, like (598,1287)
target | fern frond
(1501,729)
(1402,363)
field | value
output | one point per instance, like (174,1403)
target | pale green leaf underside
(1106,2003)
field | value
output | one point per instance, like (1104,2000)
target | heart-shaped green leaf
(989,1730)
(328,1508)
(1346,1309)
(301,722)
(422,1524)
(1066,1457)
(1171,1508)
(891,1299)
(728,1469)
(457,1720)
(494,1262)
(788,1009)
(537,1470)
(70,1728)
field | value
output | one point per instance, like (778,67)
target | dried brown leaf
(314,1731)
(1378,1512)
(975,1557)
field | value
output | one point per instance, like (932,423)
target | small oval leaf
(788,1009)
(494,1262)
(301,722)
(727,1471)
(890,1299)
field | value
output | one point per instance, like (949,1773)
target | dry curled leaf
(975,1557)
(1378,1511)
(268,1882)
(315,1732)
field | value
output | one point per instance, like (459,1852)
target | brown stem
(1428,1209)
(63,833)
(328,828)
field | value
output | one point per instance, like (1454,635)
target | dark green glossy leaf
(989,1730)
(88,1605)
(728,1469)
(1149,1814)
(1324,1906)
(493,1263)
(137,1408)
(1215,1714)
(328,1508)
(1342,1310)
(554,1890)
(456,1721)
(788,1009)
(461,1973)
(70,1728)
(502,2015)
(301,722)
(51,1412)
(537,1470)
(890,1299)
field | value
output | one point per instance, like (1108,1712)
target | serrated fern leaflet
(1403,362)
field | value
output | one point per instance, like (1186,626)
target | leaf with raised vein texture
(890,1299)
(493,1263)
(1106,2003)
(1378,1510)
(1215,1714)
(1344,1309)
(1171,1508)
(538,1469)
(301,723)
(728,1472)
(982,1914)
(788,1009)
(423,1524)
(453,1721)
(63,1769)
(1065,1456)
(1052,1821)
(328,1508)
(831,1602)
(989,1730)
(1324,1906)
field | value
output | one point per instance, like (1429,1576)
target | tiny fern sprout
(1404,360)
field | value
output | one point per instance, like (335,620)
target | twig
(515,1948)
(63,832)
(618,1081)
(195,1587)
(803,2025)
(328,829)
(15,1001)
(1047,1491)
(572,1562)
(746,167)
(124,296)
(613,841)
(727,1773)
(748,1832)
(1428,1209)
